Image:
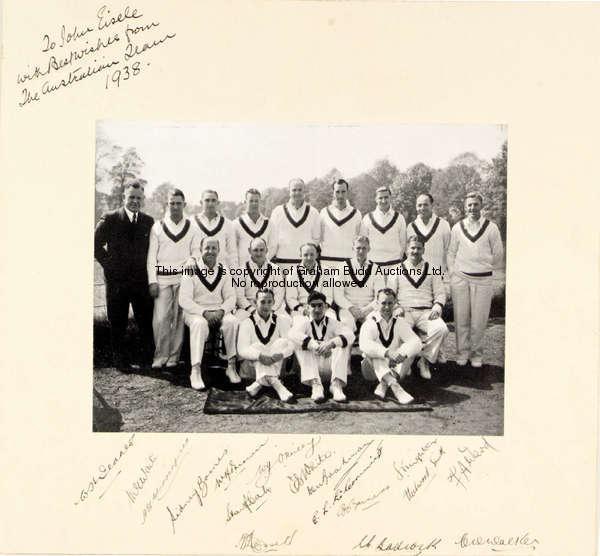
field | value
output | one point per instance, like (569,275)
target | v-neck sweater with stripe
(171,248)
(195,296)
(477,254)
(288,236)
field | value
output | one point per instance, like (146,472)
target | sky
(233,157)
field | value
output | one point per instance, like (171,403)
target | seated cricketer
(323,349)
(263,345)
(389,347)
(305,278)
(358,297)
(421,296)
(259,274)
(207,299)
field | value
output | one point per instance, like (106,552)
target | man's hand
(277,357)
(265,359)
(325,348)
(190,264)
(213,318)
(436,312)
(398,358)
(153,290)
(398,312)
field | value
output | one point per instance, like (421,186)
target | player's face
(210,204)
(361,249)
(210,251)
(340,193)
(264,304)
(317,310)
(424,208)
(386,304)
(175,204)
(133,198)
(297,193)
(252,203)
(308,256)
(258,252)
(383,201)
(473,207)
(415,252)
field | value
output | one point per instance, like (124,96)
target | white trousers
(323,368)
(381,367)
(435,330)
(167,324)
(471,298)
(255,370)
(199,333)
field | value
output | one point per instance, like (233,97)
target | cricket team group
(262,285)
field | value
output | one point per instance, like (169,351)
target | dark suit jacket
(122,248)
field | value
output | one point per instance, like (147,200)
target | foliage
(116,166)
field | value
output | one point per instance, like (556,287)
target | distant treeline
(116,166)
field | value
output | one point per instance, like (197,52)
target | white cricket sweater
(171,245)
(387,235)
(475,249)
(338,230)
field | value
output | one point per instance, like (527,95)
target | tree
(362,192)
(107,154)
(272,197)
(408,186)
(494,189)
(127,169)
(450,185)
(384,173)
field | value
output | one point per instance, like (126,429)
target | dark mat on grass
(238,401)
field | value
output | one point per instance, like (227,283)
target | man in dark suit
(121,247)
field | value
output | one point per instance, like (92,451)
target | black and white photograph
(299,279)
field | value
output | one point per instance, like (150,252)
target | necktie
(135,217)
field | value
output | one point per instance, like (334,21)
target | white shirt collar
(251,222)
(473,225)
(356,264)
(206,219)
(129,214)
(172,224)
(422,224)
(346,210)
(387,214)
(379,318)
(296,210)
(261,322)
(408,264)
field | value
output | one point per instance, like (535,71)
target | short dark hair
(316,296)
(252,191)
(135,184)
(386,291)
(340,181)
(415,238)
(265,291)
(209,191)
(174,192)
(426,195)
